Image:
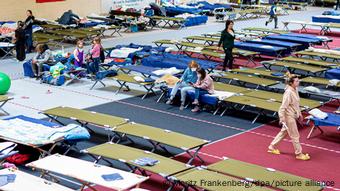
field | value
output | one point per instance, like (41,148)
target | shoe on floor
(181,107)
(303,157)
(196,109)
(274,151)
(169,102)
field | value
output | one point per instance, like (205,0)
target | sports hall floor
(232,135)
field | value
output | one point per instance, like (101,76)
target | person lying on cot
(204,85)
(290,116)
(189,76)
(78,54)
(43,56)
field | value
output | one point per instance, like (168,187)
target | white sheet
(171,71)
(27,182)
(79,169)
(123,52)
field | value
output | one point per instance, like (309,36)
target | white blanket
(123,52)
(171,71)
(318,113)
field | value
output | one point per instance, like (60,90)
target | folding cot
(210,53)
(260,73)
(3,101)
(68,34)
(28,182)
(115,29)
(262,176)
(265,30)
(292,67)
(122,79)
(312,62)
(51,26)
(159,137)
(146,71)
(277,97)
(7,49)
(304,41)
(323,93)
(167,21)
(332,120)
(87,173)
(245,79)
(84,118)
(37,37)
(173,171)
(200,177)
(259,104)
(324,40)
(164,166)
(322,56)
(263,49)
(290,45)
(179,61)
(207,40)
(318,81)
(41,135)
(325,28)
(326,19)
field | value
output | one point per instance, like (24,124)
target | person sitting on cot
(183,84)
(204,85)
(43,56)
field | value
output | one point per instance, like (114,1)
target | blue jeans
(93,67)
(199,92)
(29,40)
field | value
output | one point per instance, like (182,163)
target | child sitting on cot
(78,54)
(204,85)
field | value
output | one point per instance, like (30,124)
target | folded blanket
(334,82)
(318,113)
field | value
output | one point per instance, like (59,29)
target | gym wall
(16,9)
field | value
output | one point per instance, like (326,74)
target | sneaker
(195,103)
(303,157)
(196,109)
(169,102)
(181,107)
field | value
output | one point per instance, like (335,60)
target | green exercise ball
(5,83)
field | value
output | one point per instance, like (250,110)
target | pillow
(318,113)
(312,89)
(138,79)
(334,82)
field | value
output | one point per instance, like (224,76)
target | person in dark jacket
(337,4)
(69,18)
(28,26)
(19,40)
(227,42)
(273,14)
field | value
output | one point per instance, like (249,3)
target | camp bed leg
(257,116)
(1,109)
(97,159)
(155,145)
(164,91)
(122,84)
(223,112)
(195,155)
(95,83)
(312,129)
(148,90)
